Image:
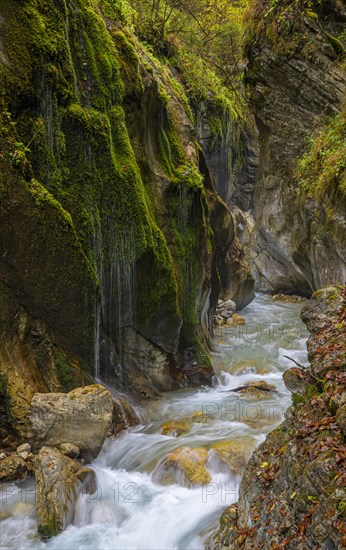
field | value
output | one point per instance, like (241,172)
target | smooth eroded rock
(59,482)
(254,366)
(25,448)
(81,417)
(70,450)
(124,415)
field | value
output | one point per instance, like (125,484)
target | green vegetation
(70,373)
(79,70)
(202,40)
(322,170)
(283,23)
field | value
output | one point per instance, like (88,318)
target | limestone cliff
(296,80)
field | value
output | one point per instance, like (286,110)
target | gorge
(158,160)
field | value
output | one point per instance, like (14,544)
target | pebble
(25,448)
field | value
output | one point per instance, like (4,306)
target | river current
(129,510)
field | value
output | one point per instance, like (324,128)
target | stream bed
(129,510)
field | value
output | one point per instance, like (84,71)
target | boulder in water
(184,466)
(175,428)
(253,394)
(199,416)
(254,366)
(261,385)
(236,320)
(59,482)
(290,299)
(255,390)
(81,417)
(232,454)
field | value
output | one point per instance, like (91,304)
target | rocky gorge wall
(296,81)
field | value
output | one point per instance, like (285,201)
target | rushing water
(129,510)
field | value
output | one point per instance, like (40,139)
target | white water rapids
(129,510)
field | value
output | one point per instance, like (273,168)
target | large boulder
(81,417)
(59,482)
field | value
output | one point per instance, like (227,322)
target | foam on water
(130,511)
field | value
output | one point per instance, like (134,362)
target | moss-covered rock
(106,212)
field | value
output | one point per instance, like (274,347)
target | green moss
(311,390)
(80,169)
(312,15)
(321,172)
(114,9)
(337,45)
(281,22)
(70,374)
(46,532)
(342,506)
(129,64)
(203,84)
(42,195)
(297,399)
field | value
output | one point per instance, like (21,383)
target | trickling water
(114,308)
(129,510)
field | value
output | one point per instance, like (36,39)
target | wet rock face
(297,476)
(81,417)
(295,249)
(123,416)
(223,141)
(59,482)
(231,153)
